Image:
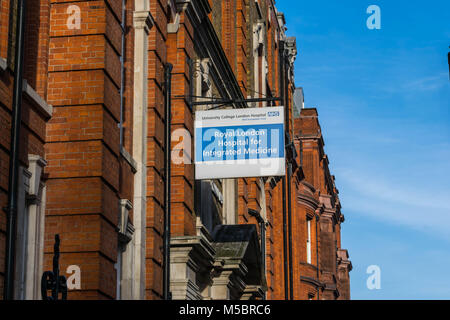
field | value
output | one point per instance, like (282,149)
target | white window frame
(308,241)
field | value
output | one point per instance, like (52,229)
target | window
(119,268)
(209,203)
(308,241)
(13,7)
(208,195)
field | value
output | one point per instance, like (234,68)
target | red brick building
(91,155)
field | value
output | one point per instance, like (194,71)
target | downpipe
(122,74)
(167,163)
(283,180)
(11,209)
(289,178)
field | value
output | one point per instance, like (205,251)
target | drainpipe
(285,244)
(11,209)
(167,162)
(122,72)
(283,180)
(263,249)
(287,230)
(291,270)
(317,256)
(289,178)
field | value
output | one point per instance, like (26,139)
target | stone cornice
(253,292)
(343,260)
(310,186)
(317,138)
(238,267)
(201,252)
(36,166)
(347,265)
(326,214)
(308,201)
(143,20)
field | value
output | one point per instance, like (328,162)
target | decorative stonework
(205,268)
(191,263)
(174,10)
(3,64)
(30,229)
(258,35)
(291,50)
(125,226)
(143,20)
(36,166)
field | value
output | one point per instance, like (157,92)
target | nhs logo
(273,114)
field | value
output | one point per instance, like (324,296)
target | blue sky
(383,98)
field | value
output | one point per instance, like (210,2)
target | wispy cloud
(426,210)
(428,83)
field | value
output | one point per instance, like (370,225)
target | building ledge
(238,245)
(129,159)
(3,64)
(308,265)
(43,107)
(313,281)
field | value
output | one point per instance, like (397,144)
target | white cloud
(425,210)
(428,83)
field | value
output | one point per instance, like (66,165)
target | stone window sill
(126,155)
(3,64)
(44,108)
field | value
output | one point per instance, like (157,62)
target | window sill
(44,108)
(127,156)
(3,64)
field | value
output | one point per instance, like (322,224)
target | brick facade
(94,113)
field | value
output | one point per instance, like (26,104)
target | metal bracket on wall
(218,103)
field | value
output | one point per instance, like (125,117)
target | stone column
(142,23)
(227,281)
(35,229)
(183,272)
(220,288)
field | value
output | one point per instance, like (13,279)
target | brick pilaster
(83,141)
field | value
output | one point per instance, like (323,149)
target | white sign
(239,143)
